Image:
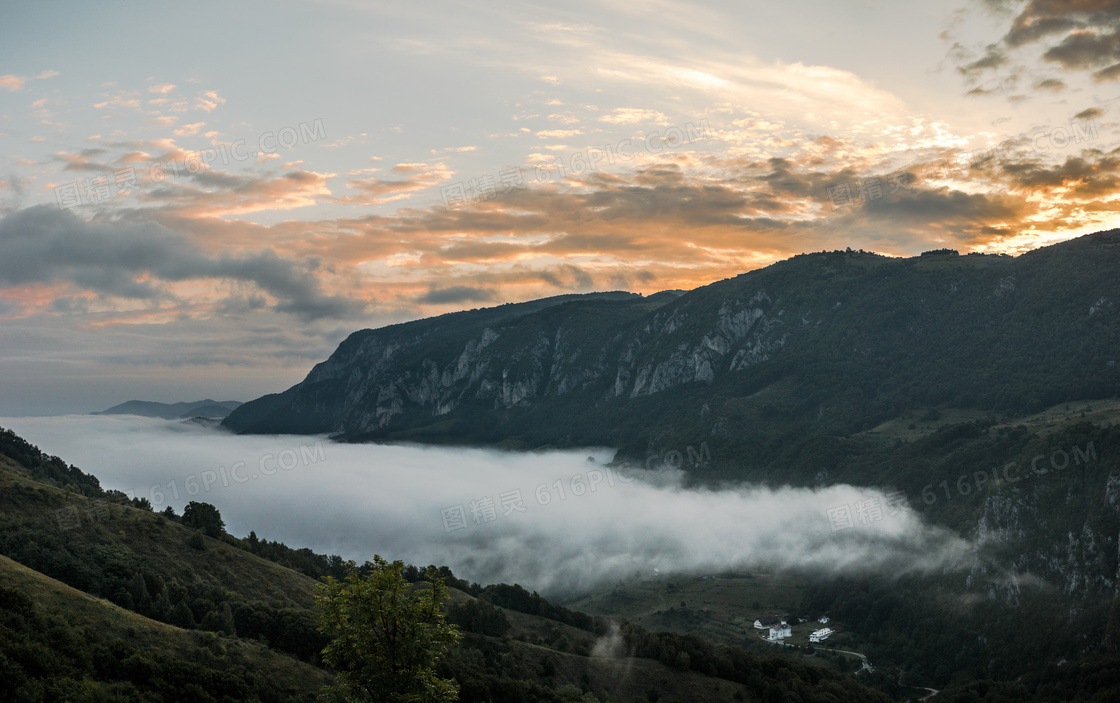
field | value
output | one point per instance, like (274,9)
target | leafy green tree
(161,608)
(139,591)
(205,517)
(181,616)
(386,635)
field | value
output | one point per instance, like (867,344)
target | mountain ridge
(821,344)
(215,409)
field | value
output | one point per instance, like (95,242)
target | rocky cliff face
(721,348)
(1078,555)
(848,336)
(381,378)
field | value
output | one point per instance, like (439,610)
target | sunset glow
(372,163)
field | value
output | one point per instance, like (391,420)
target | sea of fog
(558,522)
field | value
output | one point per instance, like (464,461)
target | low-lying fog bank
(558,522)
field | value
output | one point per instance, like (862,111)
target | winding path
(867,666)
(862,657)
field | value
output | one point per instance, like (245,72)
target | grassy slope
(1097,412)
(112,622)
(151,539)
(625,678)
(721,609)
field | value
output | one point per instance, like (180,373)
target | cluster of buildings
(777,625)
(779,628)
(821,635)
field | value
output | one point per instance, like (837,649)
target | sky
(201,200)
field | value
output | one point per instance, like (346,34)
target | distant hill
(174,411)
(820,345)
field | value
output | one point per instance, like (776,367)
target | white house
(821,635)
(823,620)
(780,632)
(769,621)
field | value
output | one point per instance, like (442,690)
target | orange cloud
(13,83)
(208,101)
(669,220)
(558,133)
(417,176)
(189,130)
(118,101)
(630,115)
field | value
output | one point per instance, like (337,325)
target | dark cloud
(1087,34)
(567,277)
(135,261)
(913,216)
(678,228)
(1085,50)
(83,161)
(1108,74)
(456,294)
(210,193)
(924,205)
(996,86)
(759,211)
(994,57)
(1090,113)
(1054,84)
(784,182)
(1029,27)
(1093,174)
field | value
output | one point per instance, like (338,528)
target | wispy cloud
(12,83)
(208,101)
(412,177)
(632,115)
